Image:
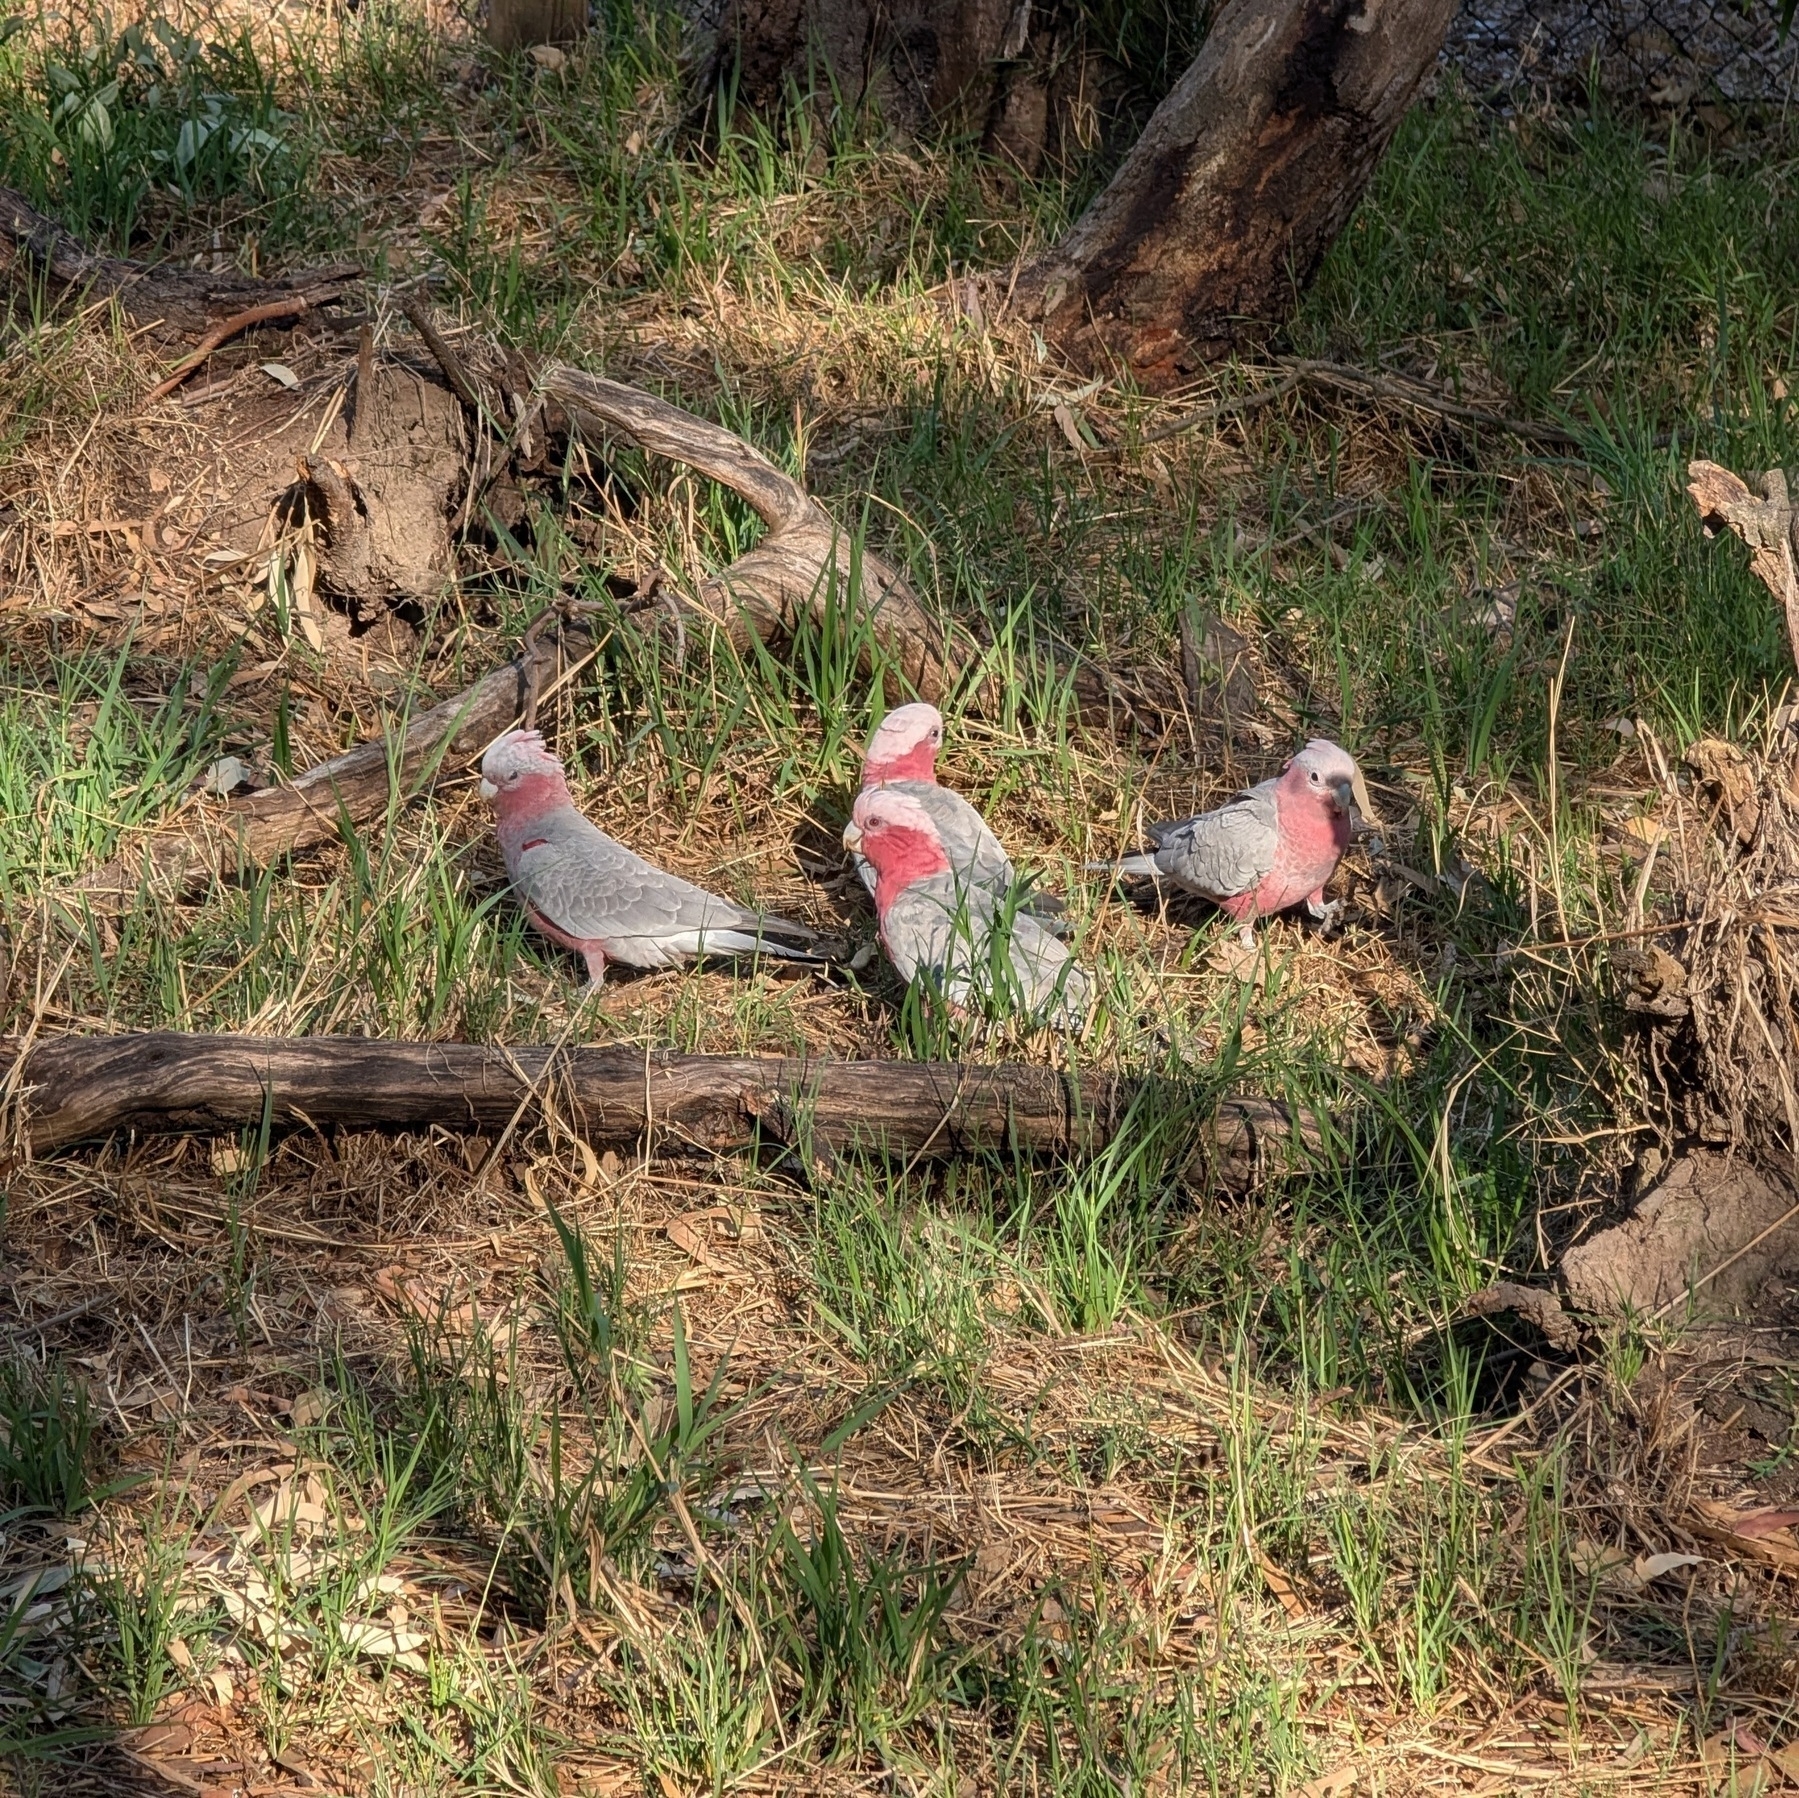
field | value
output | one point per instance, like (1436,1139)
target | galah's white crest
(1266,850)
(593,895)
(956,934)
(902,755)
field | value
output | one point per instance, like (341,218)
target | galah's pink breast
(1313,836)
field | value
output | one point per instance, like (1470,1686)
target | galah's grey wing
(947,932)
(1051,980)
(590,886)
(1225,852)
(919,931)
(975,853)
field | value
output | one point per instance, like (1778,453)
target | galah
(593,895)
(934,923)
(902,755)
(1268,848)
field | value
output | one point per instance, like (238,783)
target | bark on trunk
(79,1089)
(1242,180)
(518,24)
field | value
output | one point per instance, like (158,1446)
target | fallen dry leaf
(1065,421)
(1339,1782)
(1649,1567)
(1736,1763)
(1242,961)
(1760,1541)
(691,1233)
(1298,1611)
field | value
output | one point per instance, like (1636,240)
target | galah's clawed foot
(596,973)
(1328,913)
(1247,936)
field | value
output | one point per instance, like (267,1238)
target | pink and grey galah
(593,895)
(935,923)
(1269,848)
(902,756)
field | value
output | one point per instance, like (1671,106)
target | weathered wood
(806,554)
(766,591)
(1769,526)
(1243,178)
(81,1089)
(258,828)
(178,300)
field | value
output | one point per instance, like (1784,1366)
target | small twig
(1205,415)
(441,353)
(365,383)
(1359,380)
(37,1325)
(1414,393)
(292,307)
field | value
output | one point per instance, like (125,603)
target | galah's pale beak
(1345,793)
(488,789)
(852,835)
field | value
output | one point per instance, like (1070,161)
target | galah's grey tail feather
(1144,865)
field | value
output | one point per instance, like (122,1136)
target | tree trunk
(1242,180)
(80,1089)
(518,24)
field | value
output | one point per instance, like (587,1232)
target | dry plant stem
(291,307)
(1414,393)
(260,827)
(76,1089)
(1345,379)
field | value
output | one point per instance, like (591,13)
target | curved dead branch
(793,571)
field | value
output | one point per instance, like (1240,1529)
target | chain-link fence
(1667,54)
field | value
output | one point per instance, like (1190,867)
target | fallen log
(81,1089)
(259,828)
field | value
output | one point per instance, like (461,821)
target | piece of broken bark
(1216,669)
(1728,782)
(161,297)
(1652,981)
(1534,1304)
(1769,526)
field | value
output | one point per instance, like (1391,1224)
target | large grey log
(78,1089)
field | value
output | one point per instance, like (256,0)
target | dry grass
(1211,1494)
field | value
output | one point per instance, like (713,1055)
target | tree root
(179,302)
